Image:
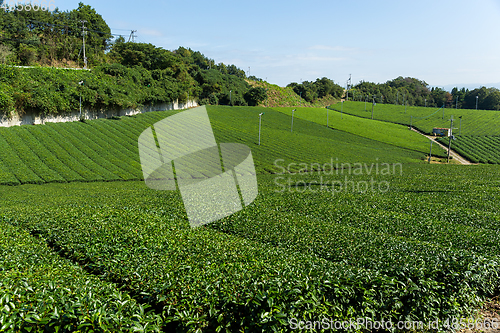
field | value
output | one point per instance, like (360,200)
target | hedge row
(40,292)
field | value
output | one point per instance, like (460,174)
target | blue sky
(443,42)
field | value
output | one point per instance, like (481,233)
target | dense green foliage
(255,95)
(312,90)
(480,122)
(414,92)
(475,130)
(129,75)
(477,149)
(285,96)
(50,37)
(49,91)
(423,250)
(107,149)
(42,292)
(376,130)
(399,91)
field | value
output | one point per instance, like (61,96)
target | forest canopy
(126,74)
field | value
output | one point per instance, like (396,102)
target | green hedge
(40,292)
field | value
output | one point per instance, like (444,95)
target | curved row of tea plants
(477,149)
(106,149)
(41,292)
(425,248)
(474,122)
(376,130)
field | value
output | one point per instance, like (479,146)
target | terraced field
(106,150)
(391,238)
(474,122)
(477,149)
(393,134)
(477,126)
(426,248)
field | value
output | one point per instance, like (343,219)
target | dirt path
(453,154)
(488,319)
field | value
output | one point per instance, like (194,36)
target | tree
(255,95)
(325,87)
(5,52)
(492,100)
(458,97)
(470,99)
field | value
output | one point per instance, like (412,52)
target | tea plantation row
(393,134)
(423,248)
(106,149)
(474,122)
(477,149)
(475,130)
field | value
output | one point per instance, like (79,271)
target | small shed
(441,131)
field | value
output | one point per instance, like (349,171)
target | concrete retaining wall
(32,119)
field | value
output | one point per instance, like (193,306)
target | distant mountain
(470,86)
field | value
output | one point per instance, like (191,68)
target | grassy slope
(308,143)
(475,123)
(285,96)
(107,149)
(375,130)
(480,122)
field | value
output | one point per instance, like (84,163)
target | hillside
(476,132)
(106,149)
(385,132)
(286,96)
(474,122)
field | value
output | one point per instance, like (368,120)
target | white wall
(32,119)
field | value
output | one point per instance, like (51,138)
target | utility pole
(450,136)
(348,86)
(260,122)
(430,153)
(373,104)
(291,128)
(80,83)
(132,36)
(83,34)
(460,127)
